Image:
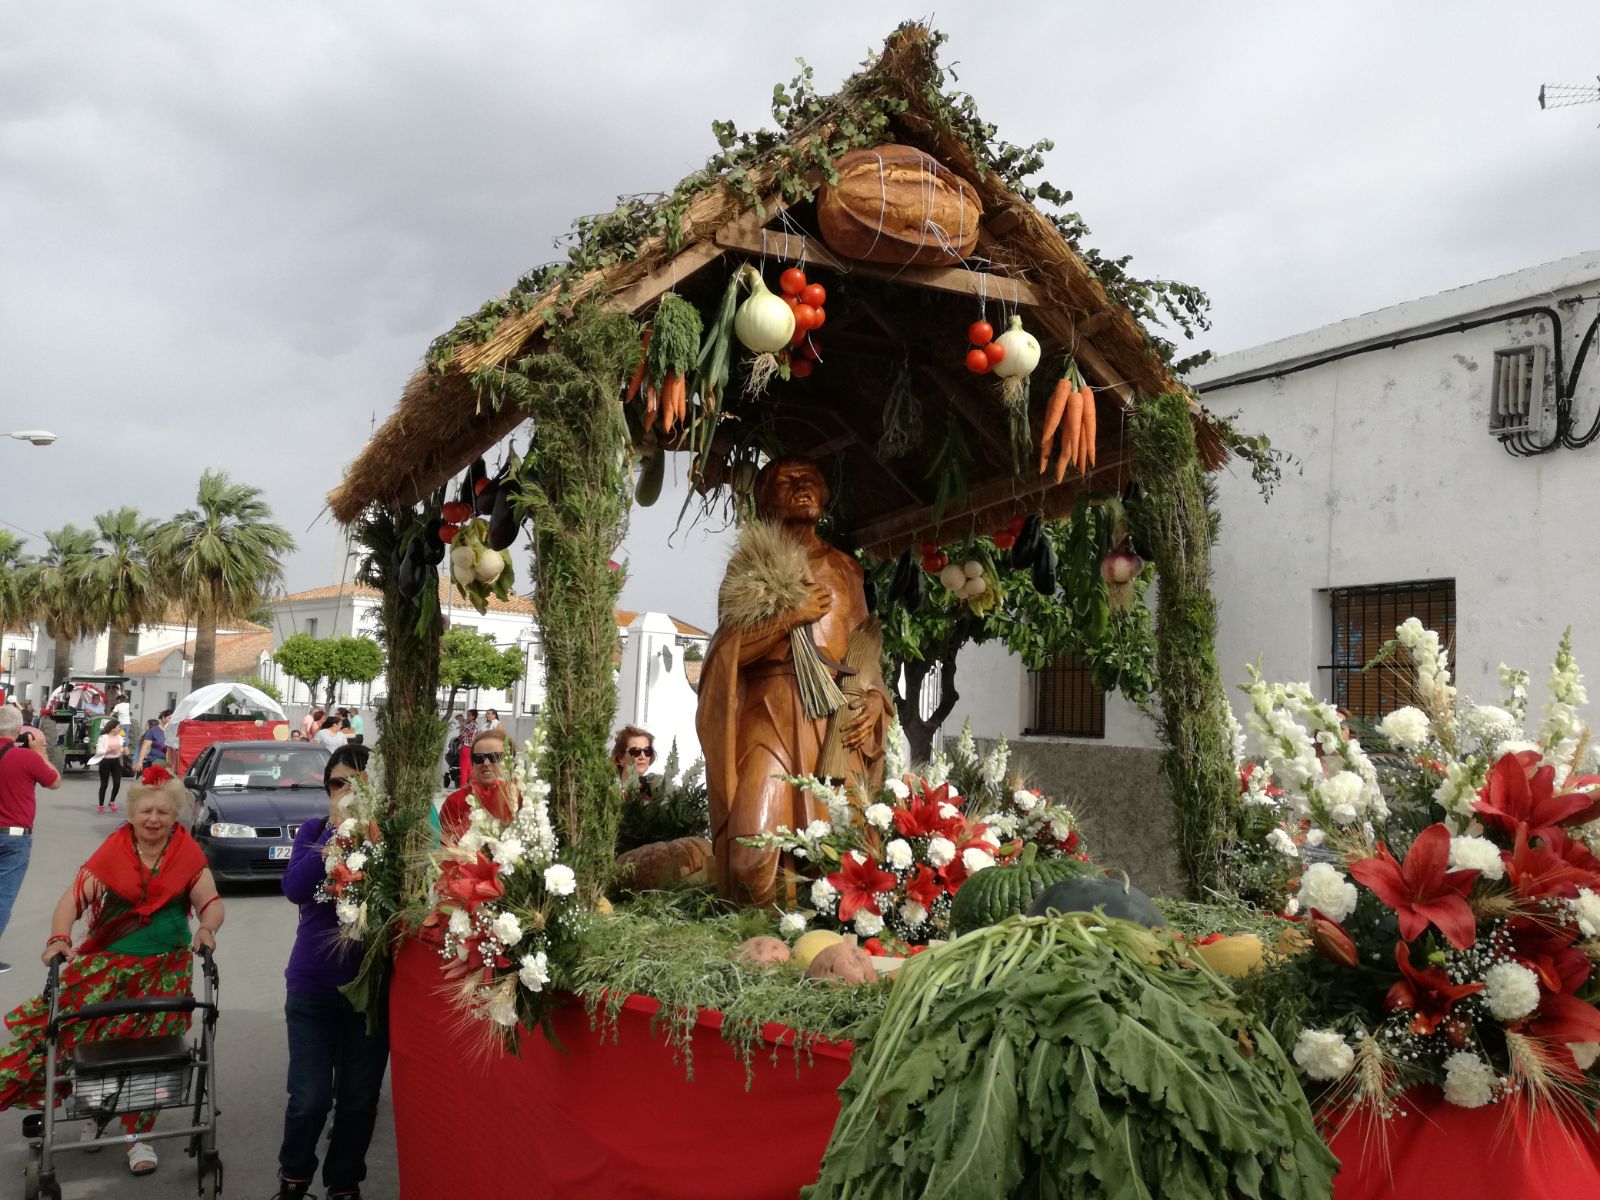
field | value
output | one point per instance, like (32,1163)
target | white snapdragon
(534,971)
(824,895)
(993,771)
(879,816)
(1280,841)
(1432,662)
(1477,854)
(868,923)
(941,851)
(1514,683)
(1324,888)
(1406,727)
(896,751)
(559,880)
(1586,907)
(507,929)
(1458,791)
(792,924)
(938,768)
(913,914)
(1510,990)
(966,748)
(1323,1054)
(898,854)
(1562,725)
(1469,1082)
(975,860)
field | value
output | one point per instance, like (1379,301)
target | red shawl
(142,893)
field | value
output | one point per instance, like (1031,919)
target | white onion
(1022,352)
(764,322)
(488,565)
(972,568)
(978,586)
(953,577)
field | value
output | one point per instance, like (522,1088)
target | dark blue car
(249,799)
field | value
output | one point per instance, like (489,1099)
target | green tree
(54,595)
(305,658)
(124,590)
(1075,619)
(13,601)
(469,659)
(221,557)
(261,685)
(352,660)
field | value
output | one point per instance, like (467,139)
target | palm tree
(220,558)
(124,589)
(54,595)
(13,610)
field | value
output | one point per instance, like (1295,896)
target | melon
(809,945)
(1114,896)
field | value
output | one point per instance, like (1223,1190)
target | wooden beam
(659,282)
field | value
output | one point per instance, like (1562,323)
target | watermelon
(992,895)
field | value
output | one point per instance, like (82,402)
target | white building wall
(652,690)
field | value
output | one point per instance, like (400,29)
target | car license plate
(275,853)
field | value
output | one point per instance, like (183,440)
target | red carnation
(858,882)
(1521,792)
(1422,890)
(154,775)
(1429,993)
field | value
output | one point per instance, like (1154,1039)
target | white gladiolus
(1469,1082)
(1323,1054)
(559,880)
(898,854)
(1406,727)
(1477,854)
(1280,841)
(1323,888)
(1511,991)
(941,851)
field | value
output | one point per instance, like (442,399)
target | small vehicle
(250,799)
(80,709)
(126,1075)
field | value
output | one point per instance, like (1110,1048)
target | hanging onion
(1021,352)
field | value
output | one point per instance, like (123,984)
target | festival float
(870,343)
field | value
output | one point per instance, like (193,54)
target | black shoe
(293,1191)
(348,1194)
(4,967)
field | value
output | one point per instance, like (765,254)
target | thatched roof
(879,317)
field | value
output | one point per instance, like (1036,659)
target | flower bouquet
(1449,890)
(507,906)
(890,865)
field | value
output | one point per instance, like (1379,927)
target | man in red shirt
(23,767)
(487,783)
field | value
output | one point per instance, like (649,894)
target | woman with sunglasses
(487,782)
(332,1055)
(634,754)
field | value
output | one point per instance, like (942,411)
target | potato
(762,951)
(842,963)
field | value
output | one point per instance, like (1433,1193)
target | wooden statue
(792,683)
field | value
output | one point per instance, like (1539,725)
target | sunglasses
(338,785)
(493,756)
(641,752)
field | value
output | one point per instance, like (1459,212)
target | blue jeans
(331,1056)
(14,852)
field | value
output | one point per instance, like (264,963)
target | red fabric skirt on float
(1489,1153)
(603,1120)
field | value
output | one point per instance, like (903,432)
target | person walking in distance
(108,753)
(24,767)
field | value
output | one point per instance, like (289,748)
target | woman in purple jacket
(331,1053)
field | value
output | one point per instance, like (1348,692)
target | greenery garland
(1176,525)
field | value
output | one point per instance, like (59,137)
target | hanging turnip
(765,325)
(462,559)
(488,564)
(1119,569)
(953,577)
(1020,356)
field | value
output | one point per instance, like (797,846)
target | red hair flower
(154,775)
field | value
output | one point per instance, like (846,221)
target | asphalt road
(252,1057)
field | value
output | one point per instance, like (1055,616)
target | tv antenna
(1565,95)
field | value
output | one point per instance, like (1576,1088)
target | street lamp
(39,437)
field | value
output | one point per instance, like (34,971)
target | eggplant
(869,592)
(1044,569)
(433,547)
(914,594)
(502,521)
(397,556)
(652,473)
(412,570)
(900,581)
(1025,552)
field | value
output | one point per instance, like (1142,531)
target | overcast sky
(228,232)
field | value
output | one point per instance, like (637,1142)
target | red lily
(859,880)
(1421,890)
(1428,993)
(1547,950)
(920,817)
(1577,854)
(1521,792)
(472,883)
(954,873)
(1536,871)
(923,887)
(1332,942)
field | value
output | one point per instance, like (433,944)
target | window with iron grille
(1364,618)
(1066,701)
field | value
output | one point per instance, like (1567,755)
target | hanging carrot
(652,399)
(1053,413)
(1085,431)
(1091,422)
(638,372)
(1069,433)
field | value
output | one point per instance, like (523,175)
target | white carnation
(348,912)
(346,827)
(868,923)
(1005,825)
(460,923)
(1061,827)
(502,1006)
(1517,747)
(899,787)
(356,860)
(1025,800)
(1469,1082)
(941,851)
(949,811)
(880,816)
(1511,990)
(1477,854)
(1315,837)
(1587,908)
(1323,1054)
(1406,727)
(913,914)
(559,880)
(975,860)
(1325,889)
(535,971)
(1343,794)
(508,929)
(823,895)
(509,851)
(792,924)
(472,841)
(898,854)
(818,829)
(1280,841)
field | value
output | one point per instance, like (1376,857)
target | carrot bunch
(668,352)
(1071,412)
